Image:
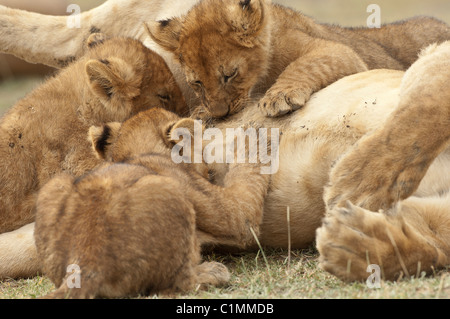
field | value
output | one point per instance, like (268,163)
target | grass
(254,276)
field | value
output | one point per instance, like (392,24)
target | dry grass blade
(289,238)
(397,253)
(262,251)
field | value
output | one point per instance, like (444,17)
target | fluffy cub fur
(233,49)
(44,133)
(136,225)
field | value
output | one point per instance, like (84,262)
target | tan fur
(411,139)
(44,133)
(59,45)
(412,109)
(231,50)
(18,254)
(118,222)
(314,138)
(304,55)
(408,155)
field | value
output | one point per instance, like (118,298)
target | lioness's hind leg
(414,237)
(388,165)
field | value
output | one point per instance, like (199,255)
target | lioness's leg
(58,40)
(18,256)
(389,165)
(415,237)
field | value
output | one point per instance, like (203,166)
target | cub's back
(116,218)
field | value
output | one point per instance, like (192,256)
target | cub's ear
(95,39)
(113,78)
(247,19)
(166,33)
(102,137)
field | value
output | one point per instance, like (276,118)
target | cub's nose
(218,110)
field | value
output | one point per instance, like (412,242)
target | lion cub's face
(223,49)
(146,132)
(125,76)
(149,132)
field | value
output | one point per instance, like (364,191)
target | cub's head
(127,78)
(223,48)
(151,131)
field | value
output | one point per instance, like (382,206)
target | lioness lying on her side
(410,238)
(44,133)
(313,140)
(135,225)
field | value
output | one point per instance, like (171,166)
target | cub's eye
(229,77)
(164,98)
(196,84)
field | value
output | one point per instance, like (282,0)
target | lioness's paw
(364,177)
(342,244)
(352,181)
(278,102)
(352,238)
(375,174)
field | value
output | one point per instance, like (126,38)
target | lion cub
(136,225)
(44,133)
(231,50)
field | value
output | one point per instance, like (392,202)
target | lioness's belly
(317,135)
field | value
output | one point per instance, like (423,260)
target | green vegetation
(253,278)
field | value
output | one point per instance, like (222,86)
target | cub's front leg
(231,215)
(323,63)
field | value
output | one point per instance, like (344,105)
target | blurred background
(18,78)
